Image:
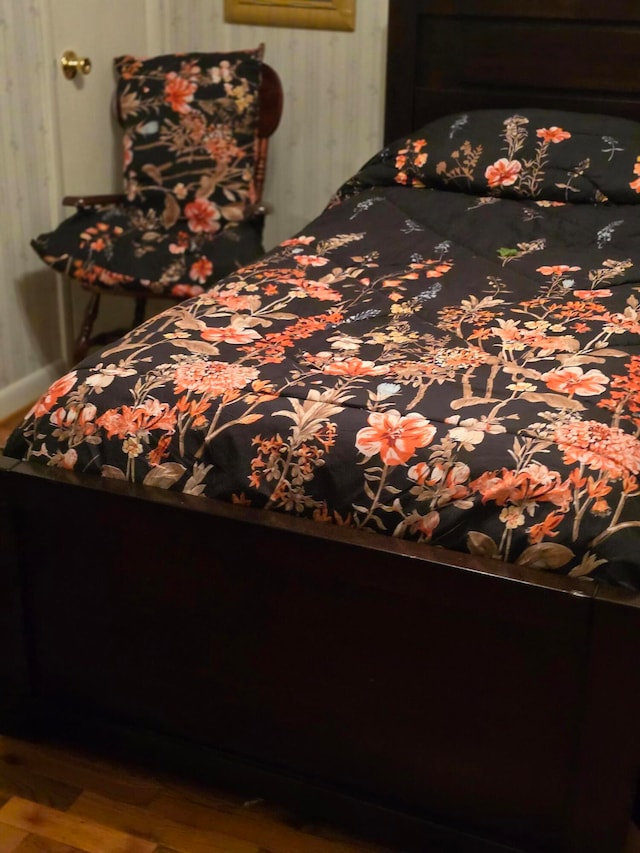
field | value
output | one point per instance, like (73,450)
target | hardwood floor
(63,800)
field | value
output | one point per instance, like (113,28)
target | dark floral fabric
(190,123)
(126,248)
(438,366)
(545,154)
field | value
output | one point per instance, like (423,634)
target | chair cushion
(126,248)
(190,123)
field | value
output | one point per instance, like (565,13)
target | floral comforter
(448,354)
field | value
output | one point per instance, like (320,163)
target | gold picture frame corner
(309,14)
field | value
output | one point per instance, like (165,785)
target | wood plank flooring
(57,799)
(63,800)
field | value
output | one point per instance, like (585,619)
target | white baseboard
(25,391)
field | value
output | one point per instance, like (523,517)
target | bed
(359,526)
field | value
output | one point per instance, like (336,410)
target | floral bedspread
(448,354)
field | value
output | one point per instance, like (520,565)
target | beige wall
(334,95)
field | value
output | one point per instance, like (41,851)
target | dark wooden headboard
(445,56)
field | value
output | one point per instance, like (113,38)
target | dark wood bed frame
(430,700)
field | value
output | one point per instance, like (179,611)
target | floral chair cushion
(126,248)
(190,125)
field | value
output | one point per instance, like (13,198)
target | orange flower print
(222,147)
(298,241)
(503,173)
(181,245)
(534,483)
(437,271)
(553,134)
(117,422)
(78,419)
(573,380)
(425,525)
(625,393)
(354,367)
(111,278)
(546,528)
(401,159)
(50,397)
(394,437)
(232,300)
(212,377)
(599,446)
(185,290)
(178,92)
(557,269)
(128,151)
(129,421)
(450,483)
(311,260)
(635,185)
(201,270)
(202,216)
(320,290)
(591,294)
(598,491)
(231,335)
(413,155)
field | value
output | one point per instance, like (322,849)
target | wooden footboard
(415,693)
(14,672)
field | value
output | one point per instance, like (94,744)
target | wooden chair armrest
(93,200)
(260,209)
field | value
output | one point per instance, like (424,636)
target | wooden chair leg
(138,311)
(81,345)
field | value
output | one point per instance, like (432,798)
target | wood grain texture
(59,799)
(69,829)
(10,838)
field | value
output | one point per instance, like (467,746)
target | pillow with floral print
(190,123)
(542,154)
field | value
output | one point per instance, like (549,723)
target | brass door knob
(71,64)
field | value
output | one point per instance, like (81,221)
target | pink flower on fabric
(128,151)
(311,260)
(394,436)
(202,216)
(178,92)
(58,389)
(553,134)
(503,173)
(201,270)
(573,380)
